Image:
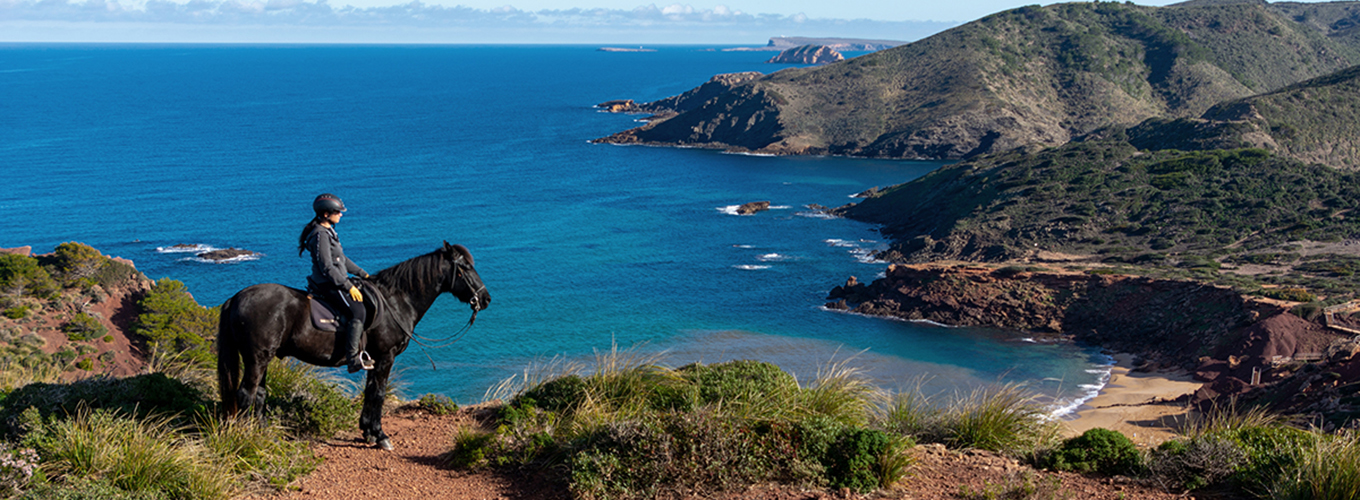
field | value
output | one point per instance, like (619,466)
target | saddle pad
(325,318)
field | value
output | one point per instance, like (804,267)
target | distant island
(781,43)
(625,49)
(808,54)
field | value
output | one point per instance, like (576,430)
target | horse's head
(462,279)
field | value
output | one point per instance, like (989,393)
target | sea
(140,150)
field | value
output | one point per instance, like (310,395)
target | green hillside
(1108,202)
(1317,121)
(1034,75)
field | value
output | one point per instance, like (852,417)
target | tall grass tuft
(1328,470)
(139,456)
(842,392)
(1005,419)
(257,450)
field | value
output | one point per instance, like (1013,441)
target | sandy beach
(1126,404)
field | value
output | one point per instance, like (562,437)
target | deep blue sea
(135,148)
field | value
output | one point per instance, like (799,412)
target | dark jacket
(330,267)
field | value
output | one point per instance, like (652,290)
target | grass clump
(308,401)
(437,404)
(147,455)
(1004,419)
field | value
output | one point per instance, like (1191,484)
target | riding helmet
(326,203)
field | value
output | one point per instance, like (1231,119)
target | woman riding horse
(330,275)
(268,321)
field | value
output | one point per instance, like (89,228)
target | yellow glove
(354,294)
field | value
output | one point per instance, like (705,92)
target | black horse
(270,320)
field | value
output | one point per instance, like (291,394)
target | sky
(734,22)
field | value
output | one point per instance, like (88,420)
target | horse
(270,320)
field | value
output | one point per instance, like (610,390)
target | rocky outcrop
(25,251)
(753,207)
(226,254)
(619,106)
(808,54)
(1216,333)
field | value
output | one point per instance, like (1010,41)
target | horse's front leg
(370,418)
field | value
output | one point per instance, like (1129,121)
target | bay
(135,148)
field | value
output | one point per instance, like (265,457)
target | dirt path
(413,471)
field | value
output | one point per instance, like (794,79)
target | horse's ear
(447,247)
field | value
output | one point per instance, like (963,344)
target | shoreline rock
(753,207)
(226,254)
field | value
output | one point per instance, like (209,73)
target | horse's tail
(228,359)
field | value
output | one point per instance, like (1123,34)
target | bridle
(458,265)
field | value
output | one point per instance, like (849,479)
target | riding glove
(354,294)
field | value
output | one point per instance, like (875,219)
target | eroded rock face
(808,54)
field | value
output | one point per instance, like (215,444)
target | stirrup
(365,360)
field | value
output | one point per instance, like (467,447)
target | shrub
(22,275)
(77,263)
(1098,450)
(83,326)
(1289,294)
(1195,463)
(175,325)
(854,461)
(16,312)
(437,404)
(17,469)
(307,401)
(140,395)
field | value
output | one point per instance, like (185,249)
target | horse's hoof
(385,444)
(370,439)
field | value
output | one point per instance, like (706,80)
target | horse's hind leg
(252,393)
(370,418)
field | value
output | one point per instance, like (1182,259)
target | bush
(1098,450)
(854,461)
(437,404)
(140,395)
(21,275)
(1194,464)
(1328,469)
(1289,294)
(16,312)
(77,264)
(175,326)
(17,469)
(83,326)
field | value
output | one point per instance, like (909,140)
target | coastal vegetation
(1028,76)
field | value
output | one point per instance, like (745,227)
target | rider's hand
(354,294)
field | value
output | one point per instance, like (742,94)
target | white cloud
(167,20)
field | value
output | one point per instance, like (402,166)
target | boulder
(753,207)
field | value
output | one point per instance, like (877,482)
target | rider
(330,274)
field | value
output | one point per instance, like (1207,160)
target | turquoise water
(135,148)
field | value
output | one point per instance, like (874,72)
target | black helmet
(327,203)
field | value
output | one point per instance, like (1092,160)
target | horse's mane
(417,273)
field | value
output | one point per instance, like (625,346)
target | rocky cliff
(1214,332)
(808,54)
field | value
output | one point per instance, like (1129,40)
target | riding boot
(356,359)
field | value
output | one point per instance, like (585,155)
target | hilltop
(1029,76)
(1316,121)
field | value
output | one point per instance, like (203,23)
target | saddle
(327,319)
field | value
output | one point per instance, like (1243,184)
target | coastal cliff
(808,54)
(1214,332)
